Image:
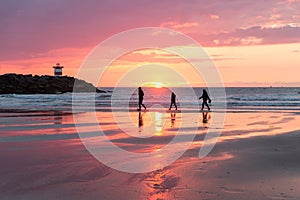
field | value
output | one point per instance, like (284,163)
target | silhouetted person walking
(205,97)
(141,98)
(173,101)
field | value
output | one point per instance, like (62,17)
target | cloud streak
(256,35)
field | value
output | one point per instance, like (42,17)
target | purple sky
(34,26)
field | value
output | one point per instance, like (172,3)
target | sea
(233,98)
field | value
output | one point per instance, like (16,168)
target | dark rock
(28,84)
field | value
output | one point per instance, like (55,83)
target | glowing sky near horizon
(253,43)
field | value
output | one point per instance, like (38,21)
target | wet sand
(256,157)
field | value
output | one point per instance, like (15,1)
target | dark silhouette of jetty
(28,84)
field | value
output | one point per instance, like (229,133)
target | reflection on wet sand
(173,117)
(150,123)
(43,123)
(141,123)
(264,167)
(205,117)
(159,120)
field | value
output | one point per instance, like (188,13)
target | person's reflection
(141,123)
(205,117)
(173,117)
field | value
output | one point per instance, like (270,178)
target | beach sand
(256,157)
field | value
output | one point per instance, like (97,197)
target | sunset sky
(252,43)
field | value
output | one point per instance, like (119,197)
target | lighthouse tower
(58,69)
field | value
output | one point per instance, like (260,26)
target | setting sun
(158,85)
(154,85)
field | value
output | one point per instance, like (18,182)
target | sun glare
(158,85)
(154,85)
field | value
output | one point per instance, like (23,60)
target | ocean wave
(237,98)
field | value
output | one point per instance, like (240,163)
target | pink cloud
(214,16)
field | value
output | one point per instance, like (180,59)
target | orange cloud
(214,16)
(177,26)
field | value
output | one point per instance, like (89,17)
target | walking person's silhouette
(173,101)
(141,98)
(205,97)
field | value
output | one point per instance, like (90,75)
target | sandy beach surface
(257,157)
